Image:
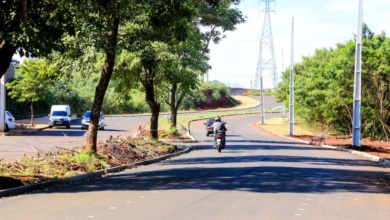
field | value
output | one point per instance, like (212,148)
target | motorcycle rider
(219,127)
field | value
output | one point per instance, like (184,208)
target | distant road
(269,101)
(13,147)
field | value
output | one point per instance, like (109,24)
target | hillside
(210,103)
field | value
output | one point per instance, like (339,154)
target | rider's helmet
(218,118)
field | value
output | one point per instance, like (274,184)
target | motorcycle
(220,144)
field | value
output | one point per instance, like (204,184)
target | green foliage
(216,89)
(324,85)
(173,131)
(216,17)
(256,92)
(158,40)
(31,84)
(37,26)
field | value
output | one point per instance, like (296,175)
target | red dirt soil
(368,145)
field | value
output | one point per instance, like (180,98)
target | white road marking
(112,208)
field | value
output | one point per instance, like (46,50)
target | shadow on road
(262,173)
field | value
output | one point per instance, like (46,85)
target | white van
(59,116)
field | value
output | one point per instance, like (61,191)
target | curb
(15,132)
(370,157)
(179,141)
(85,177)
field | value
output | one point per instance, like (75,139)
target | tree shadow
(72,132)
(258,179)
(257,173)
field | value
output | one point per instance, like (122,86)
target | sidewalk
(281,125)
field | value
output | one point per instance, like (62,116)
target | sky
(317,24)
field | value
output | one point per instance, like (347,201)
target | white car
(9,121)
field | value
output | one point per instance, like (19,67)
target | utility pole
(356,127)
(266,61)
(2,103)
(283,108)
(292,81)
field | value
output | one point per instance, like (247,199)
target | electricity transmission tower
(266,62)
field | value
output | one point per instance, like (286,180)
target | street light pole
(292,81)
(356,127)
(2,103)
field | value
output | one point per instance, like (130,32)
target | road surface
(258,176)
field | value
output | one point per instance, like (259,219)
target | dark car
(209,124)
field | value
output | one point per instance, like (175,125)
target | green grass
(185,119)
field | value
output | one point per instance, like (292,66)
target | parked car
(209,123)
(9,121)
(87,118)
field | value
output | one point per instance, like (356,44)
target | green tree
(216,17)
(324,87)
(36,26)
(151,35)
(376,86)
(32,83)
(99,24)
(188,66)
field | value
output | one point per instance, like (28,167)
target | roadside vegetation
(70,162)
(256,92)
(104,53)
(324,85)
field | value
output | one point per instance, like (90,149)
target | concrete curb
(85,177)
(15,132)
(370,157)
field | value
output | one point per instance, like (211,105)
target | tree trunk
(174,105)
(32,114)
(91,145)
(154,108)
(173,122)
(6,53)
(154,120)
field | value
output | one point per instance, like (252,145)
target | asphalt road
(258,176)
(13,147)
